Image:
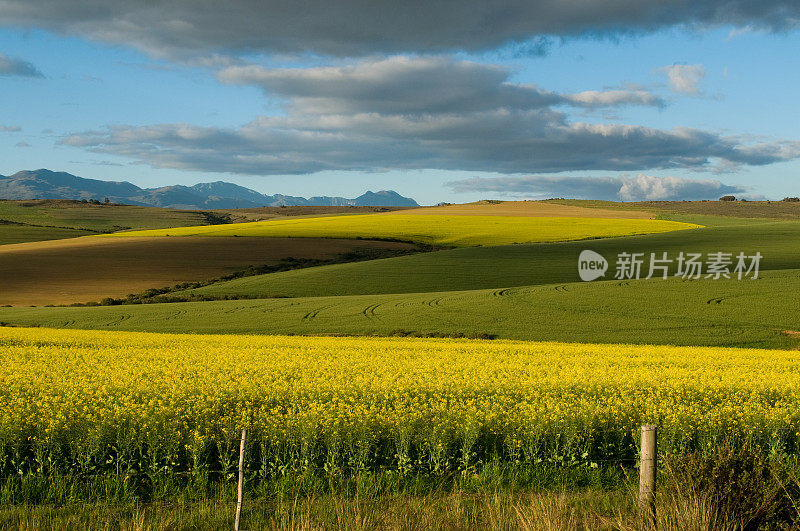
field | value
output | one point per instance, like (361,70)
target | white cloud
(10,128)
(684,78)
(650,188)
(609,98)
(622,188)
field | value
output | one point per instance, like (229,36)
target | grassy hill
(668,209)
(516,265)
(38,220)
(525,291)
(51,219)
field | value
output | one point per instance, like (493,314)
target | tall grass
(725,490)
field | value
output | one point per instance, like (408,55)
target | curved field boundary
(89,269)
(470,268)
(456,231)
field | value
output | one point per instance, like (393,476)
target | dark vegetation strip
(401,332)
(166,294)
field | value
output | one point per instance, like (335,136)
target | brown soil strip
(90,268)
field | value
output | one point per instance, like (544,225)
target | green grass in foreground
(729,490)
(484,510)
(746,313)
(514,265)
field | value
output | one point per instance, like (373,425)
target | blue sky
(735,84)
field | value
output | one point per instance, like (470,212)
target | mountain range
(46,184)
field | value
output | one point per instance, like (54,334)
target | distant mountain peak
(48,184)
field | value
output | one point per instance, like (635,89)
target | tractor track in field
(501,292)
(624,283)
(235,309)
(310,316)
(120,319)
(561,288)
(369,311)
(407,301)
(715,300)
(433,303)
(178,314)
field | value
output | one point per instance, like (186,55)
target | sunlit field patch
(458,231)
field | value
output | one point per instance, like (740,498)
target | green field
(516,265)
(456,231)
(514,291)
(97,217)
(38,220)
(746,313)
(668,209)
(12,233)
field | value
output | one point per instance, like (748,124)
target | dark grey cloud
(11,66)
(357,28)
(406,85)
(626,188)
(500,140)
(423,113)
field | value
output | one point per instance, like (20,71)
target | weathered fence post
(241,481)
(647,474)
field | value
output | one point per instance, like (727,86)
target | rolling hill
(523,291)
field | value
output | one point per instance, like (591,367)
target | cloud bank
(623,188)
(356,28)
(10,66)
(403,85)
(423,113)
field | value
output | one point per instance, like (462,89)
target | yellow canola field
(459,231)
(365,403)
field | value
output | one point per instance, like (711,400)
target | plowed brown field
(90,268)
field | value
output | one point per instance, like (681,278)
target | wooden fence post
(241,481)
(647,474)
